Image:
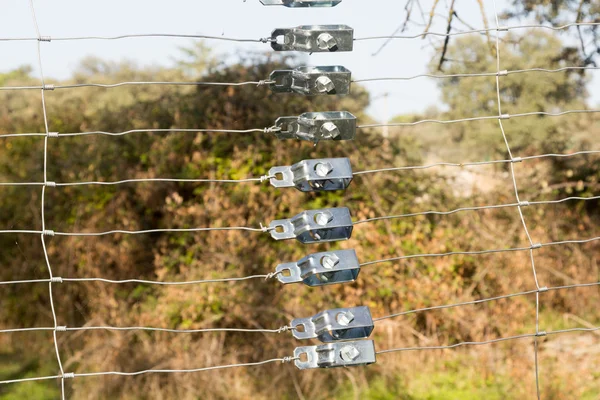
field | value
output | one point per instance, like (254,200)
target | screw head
(323,218)
(324,84)
(323,169)
(326,42)
(329,130)
(344,318)
(349,353)
(330,261)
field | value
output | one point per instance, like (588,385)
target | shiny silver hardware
(315,226)
(316,126)
(320,269)
(312,81)
(301,3)
(326,174)
(314,38)
(332,355)
(335,325)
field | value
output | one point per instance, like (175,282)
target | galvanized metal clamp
(315,226)
(301,3)
(335,325)
(314,38)
(326,174)
(320,269)
(317,126)
(312,81)
(332,355)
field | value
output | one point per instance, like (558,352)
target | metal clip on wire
(301,3)
(317,126)
(312,81)
(335,325)
(332,355)
(326,174)
(314,38)
(315,226)
(320,269)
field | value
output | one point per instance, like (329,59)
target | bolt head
(330,261)
(345,318)
(349,353)
(330,130)
(324,84)
(323,218)
(326,42)
(323,169)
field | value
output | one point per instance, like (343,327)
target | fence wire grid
(501,116)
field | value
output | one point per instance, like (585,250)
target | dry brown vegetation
(568,363)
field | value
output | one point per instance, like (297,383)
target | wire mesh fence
(519,203)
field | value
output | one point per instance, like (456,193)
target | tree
(519,92)
(562,12)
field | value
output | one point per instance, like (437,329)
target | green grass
(14,366)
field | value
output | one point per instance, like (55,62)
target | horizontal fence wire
(270,39)
(151,371)
(290,328)
(267,82)
(265,178)
(147,328)
(478,343)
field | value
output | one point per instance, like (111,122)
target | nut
(326,42)
(344,318)
(330,261)
(329,130)
(349,353)
(324,84)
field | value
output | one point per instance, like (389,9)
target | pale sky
(234,18)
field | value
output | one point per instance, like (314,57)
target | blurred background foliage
(568,363)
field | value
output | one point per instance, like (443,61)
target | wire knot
(541,333)
(503,73)
(268,40)
(524,204)
(271,275)
(284,329)
(516,159)
(536,246)
(56,279)
(272,129)
(60,329)
(68,375)
(48,86)
(504,116)
(45,39)
(265,228)
(266,178)
(50,184)
(48,232)
(287,359)
(543,289)
(52,134)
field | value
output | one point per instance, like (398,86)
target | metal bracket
(335,325)
(316,126)
(320,269)
(301,3)
(326,174)
(312,81)
(314,38)
(332,355)
(315,226)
